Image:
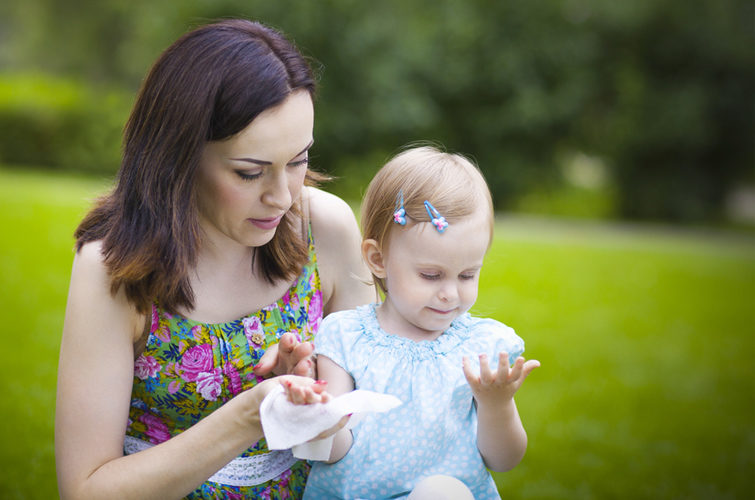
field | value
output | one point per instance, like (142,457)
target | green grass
(645,335)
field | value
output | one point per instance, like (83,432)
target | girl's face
(246,184)
(432,278)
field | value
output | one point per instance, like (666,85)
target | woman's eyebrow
(265,162)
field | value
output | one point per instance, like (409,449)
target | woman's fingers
(267,362)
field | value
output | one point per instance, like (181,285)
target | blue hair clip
(399,215)
(438,220)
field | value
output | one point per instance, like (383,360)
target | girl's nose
(448,292)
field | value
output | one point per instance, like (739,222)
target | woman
(212,250)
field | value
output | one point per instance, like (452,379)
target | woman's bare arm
(95,376)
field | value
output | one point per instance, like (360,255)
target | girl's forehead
(464,239)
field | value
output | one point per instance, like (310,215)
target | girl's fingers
(503,366)
(472,378)
(486,375)
(529,366)
(516,370)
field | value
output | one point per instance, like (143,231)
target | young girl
(427,223)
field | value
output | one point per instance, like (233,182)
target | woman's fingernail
(321,382)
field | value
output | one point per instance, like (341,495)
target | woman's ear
(373,257)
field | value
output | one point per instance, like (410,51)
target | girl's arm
(334,382)
(338,382)
(344,276)
(95,377)
(501,438)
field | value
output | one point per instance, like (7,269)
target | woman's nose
(276,191)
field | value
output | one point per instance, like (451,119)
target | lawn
(645,335)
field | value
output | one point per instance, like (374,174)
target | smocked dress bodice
(434,431)
(188,369)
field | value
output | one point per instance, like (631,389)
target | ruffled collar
(457,333)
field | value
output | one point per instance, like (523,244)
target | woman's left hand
(288,356)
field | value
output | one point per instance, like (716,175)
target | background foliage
(638,109)
(645,339)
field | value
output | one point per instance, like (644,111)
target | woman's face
(246,184)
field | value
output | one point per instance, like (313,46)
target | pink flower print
(196,360)
(255,335)
(174,387)
(233,495)
(294,301)
(157,432)
(146,367)
(197,333)
(163,333)
(234,380)
(209,384)
(285,478)
(155,319)
(314,314)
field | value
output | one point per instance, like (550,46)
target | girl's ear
(373,256)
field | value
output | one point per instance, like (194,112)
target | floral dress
(189,369)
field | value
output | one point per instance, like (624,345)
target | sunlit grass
(645,338)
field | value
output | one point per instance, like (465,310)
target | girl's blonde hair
(449,181)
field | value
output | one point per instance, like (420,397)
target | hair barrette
(399,215)
(438,220)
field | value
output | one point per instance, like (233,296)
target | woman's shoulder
(91,293)
(90,260)
(328,212)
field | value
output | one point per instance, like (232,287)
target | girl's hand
(288,356)
(501,385)
(302,391)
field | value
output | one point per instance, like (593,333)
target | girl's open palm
(500,385)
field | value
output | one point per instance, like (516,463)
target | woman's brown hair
(208,86)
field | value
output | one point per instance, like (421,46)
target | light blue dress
(434,431)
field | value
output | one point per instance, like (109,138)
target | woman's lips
(269,223)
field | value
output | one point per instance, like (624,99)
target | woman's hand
(288,356)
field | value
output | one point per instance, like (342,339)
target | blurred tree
(660,90)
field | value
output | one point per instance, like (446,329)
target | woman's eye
(248,176)
(299,163)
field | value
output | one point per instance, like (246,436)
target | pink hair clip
(438,220)
(399,215)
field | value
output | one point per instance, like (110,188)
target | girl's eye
(429,276)
(466,276)
(248,177)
